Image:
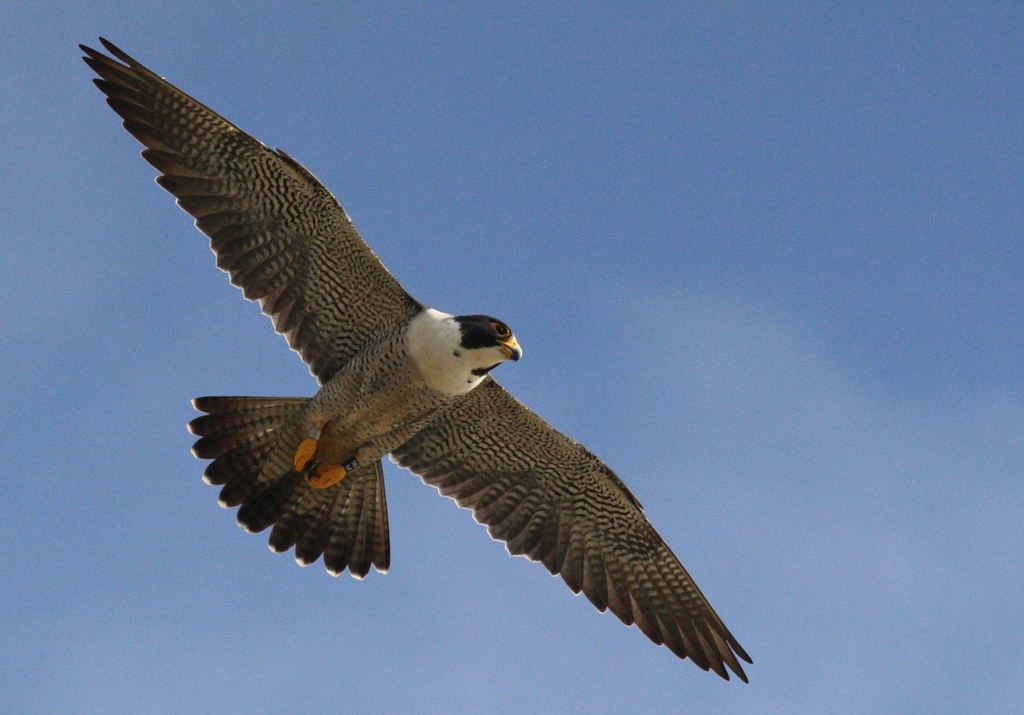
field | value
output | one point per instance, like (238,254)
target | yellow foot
(307,448)
(326,475)
(306,451)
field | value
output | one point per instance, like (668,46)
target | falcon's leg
(307,448)
(321,476)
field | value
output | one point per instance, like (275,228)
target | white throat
(434,342)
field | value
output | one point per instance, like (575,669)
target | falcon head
(491,337)
(454,353)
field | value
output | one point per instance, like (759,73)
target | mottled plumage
(397,378)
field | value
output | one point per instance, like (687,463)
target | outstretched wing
(280,235)
(549,499)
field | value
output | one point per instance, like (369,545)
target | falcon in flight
(397,378)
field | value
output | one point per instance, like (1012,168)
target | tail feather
(292,530)
(214,445)
(342,550)
(233,422)
(355,538)
(251,441)
(234,406)
(232,463)
(261,510)
(240,470)
(376,516)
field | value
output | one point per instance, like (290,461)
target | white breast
(433,341)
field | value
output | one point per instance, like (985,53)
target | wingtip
(738,649)
(116,51)
(92,54)
(733,664)
(737,670)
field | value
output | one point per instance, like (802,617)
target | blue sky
(765,260)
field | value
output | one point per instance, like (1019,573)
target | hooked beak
(510,349)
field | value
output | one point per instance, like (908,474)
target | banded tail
(250,440)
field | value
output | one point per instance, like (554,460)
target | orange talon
(306,451)
(326,475)
(307,448)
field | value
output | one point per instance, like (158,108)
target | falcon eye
(500,330)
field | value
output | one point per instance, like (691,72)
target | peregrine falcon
(397,378)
